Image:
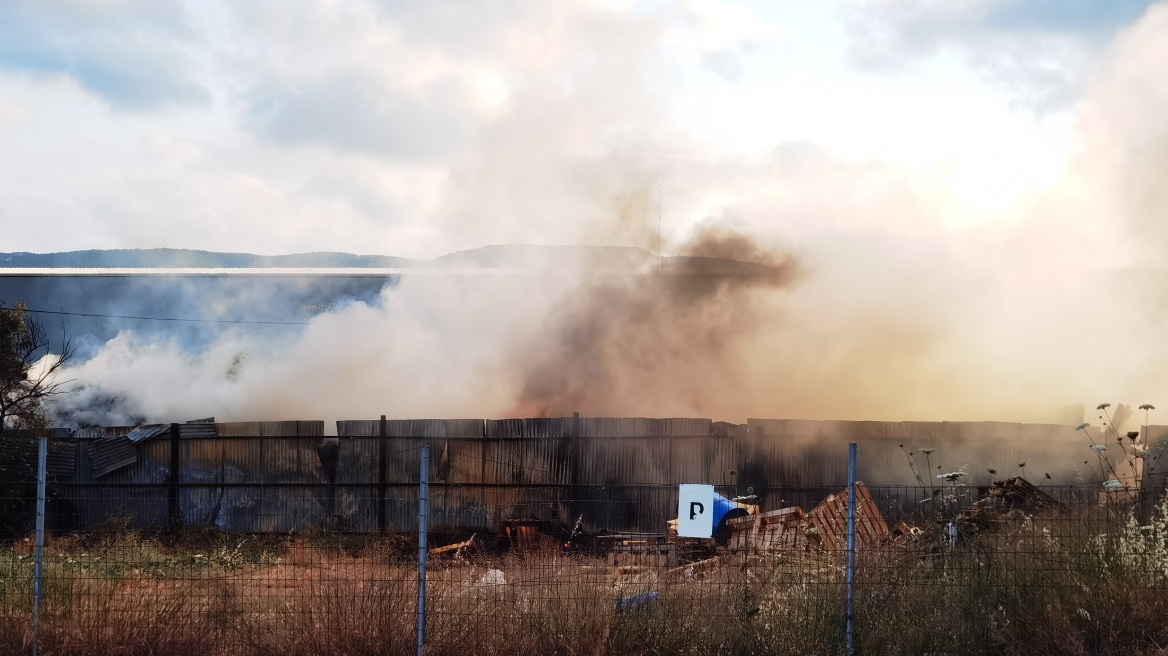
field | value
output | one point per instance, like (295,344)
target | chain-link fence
(960,566)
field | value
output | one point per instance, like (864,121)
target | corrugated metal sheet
(62,461)
(357,428)
(109,454)
(148,432)
(619,473)
(189,431)
(270,429)
(99,432)
(23,448)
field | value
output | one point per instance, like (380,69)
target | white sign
(695,511)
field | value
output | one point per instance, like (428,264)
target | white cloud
(1039,51)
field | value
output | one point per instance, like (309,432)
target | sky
(416,129)
(968,193)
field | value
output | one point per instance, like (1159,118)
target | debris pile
(530,535)
(745,529)
(1014,493)
(824,528)
(1003,500)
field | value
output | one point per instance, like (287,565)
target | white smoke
(900,312)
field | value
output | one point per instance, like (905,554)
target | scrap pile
(743,528)
(1004,499)
(1014,493)
(824,528)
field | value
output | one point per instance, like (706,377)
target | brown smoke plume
(626,344)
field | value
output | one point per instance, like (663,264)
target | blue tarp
(722,505)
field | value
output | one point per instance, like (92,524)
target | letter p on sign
(695,511)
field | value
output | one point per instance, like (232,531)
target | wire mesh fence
(960,566)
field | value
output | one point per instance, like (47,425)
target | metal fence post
(850,575)
(423,498)
(173,507)
(39,545)
(382,475)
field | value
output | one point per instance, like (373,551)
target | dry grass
(1022,589)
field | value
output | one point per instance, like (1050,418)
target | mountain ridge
(498,256)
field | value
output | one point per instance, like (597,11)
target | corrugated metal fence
(618,474)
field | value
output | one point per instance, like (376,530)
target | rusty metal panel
(96,501)
(62,460)
(621,508)
(684,426)
(543,461)
(358,428)
(259,460)
(768,463)
(99,432)
(148,432)
(633,426)
(288,459)
(547,461)
(357,459)
(143,507)
(267,428)
(416,428)
(457,507)
(458,461)
(278,428)
(401,508)
(238,429)
(644,460)
(469,428)
(504,429)
(500,461)
(60,465)
(549,428)
(284,509)
(314,428)
(110,454)
(726,429)
(708,459)
(197,431)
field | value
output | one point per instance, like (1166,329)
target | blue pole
(423,498)
(850,575)
(39,545)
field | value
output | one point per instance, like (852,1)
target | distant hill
(506,256)
(179,258)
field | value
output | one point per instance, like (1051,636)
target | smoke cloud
(664,339)
(794,284)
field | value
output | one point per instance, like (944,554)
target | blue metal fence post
(850,575)
(39,545)
(423,498)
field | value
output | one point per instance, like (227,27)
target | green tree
(26,383)
(25,386)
